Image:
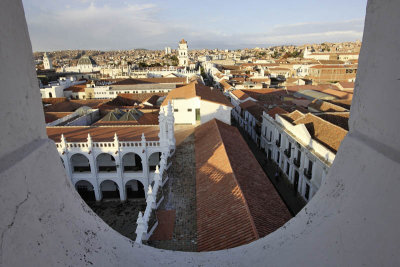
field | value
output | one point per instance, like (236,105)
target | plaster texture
(351,221)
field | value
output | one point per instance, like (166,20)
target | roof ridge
(328,122)
(236,180)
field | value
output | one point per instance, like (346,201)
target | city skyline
(103,25)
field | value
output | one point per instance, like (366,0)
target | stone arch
(106,163)
(109,189)
(134,189)
(154,160)
(80,163)
(132,162)
(85,190)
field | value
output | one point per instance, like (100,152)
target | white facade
(47,62)
(302,159)
(168,50)
(56,89)
(110,92)
(111,166)
(318,56)
(183,53)
(195,110)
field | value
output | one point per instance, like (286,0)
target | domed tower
(47,62)
(183,53)
(86,64)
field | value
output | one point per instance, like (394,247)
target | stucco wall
(181,107)
(210,110)
(351,221)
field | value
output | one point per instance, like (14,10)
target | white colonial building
(183,53)
(196,103)
(56,89)
(47,62)
(117,161)
(303,146)
(85,65)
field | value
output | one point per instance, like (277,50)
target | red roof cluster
(233,207)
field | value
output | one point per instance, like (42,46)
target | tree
(142,65)
(174,60)
(276,54)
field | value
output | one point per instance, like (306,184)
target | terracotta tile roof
(76,88)
(240,94)
(276,110)
(278,68)
(257,111)
(267,95)
(345,103)
(294,115)
(52,116)
(72,105)
(340,119)
(320,87)
(325,106)
(323,131)
(347,85)
(152,100)
(260,79)
(247,104)
(130,81)
(53,101)
(292,80)
(232,208)
(195,89)
(129,100)
(338,93)
(332,66)
(103,133)
(225,85)
(330,62)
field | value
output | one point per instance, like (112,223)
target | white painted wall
(210,110)
(181,107)
(351,221)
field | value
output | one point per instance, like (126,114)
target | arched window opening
(109,190)
(106,163)
(85,190)
(134,189)
(80,163)
(154,160)
(132,163)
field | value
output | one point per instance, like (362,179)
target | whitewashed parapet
(142,230)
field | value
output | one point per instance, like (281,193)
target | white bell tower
(47,62)
(183,53)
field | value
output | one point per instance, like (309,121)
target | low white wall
(210,110)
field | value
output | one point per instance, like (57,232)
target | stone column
(64,156)
(93,169)
(170,125)
(144,158)
(140,228)
(162,135)
(119,167)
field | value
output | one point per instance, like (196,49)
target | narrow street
(292,199)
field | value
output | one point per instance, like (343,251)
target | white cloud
(132,26)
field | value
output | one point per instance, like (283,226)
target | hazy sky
(154,24)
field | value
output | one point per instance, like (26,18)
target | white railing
(100,145)
(142,230)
